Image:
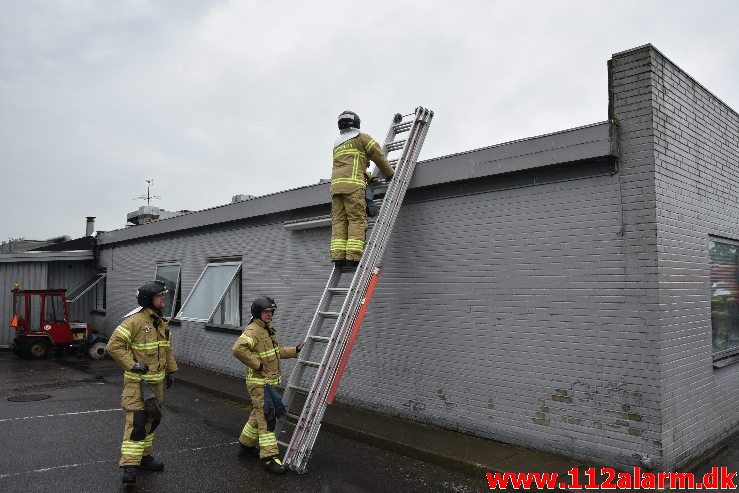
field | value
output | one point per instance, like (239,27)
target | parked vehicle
(41,321)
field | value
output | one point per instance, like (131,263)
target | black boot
(129,474)
(274,465)
(339,263)
(350,265)
(149,463)
(245,451)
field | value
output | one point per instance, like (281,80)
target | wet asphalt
(70,442)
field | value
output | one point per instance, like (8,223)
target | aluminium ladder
(326,355)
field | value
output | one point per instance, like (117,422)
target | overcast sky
(217,98)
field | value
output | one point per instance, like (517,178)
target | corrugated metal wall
(30,275)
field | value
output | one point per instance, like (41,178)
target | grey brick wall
(696,149)
(512,313)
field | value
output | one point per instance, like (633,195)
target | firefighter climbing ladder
(329,368)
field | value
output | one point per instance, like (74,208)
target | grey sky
(216,98)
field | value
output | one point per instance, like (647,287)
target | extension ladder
(324,356)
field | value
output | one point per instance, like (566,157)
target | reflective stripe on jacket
(351,160)
(258,345)
(138,340)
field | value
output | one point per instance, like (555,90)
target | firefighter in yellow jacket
(352,152)
(258,349)
(141,345)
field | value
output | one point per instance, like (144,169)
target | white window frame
(220,298)
(233,282)
(177,286)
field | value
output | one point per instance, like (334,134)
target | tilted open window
(217,288)
(169,274)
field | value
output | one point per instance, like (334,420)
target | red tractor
(41,321)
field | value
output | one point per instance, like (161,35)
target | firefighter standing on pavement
(141,345)
(258,349)
(352,152)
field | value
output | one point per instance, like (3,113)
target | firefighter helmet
(348,119)
(146,292)
(262,303)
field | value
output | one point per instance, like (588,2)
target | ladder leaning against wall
(325,355)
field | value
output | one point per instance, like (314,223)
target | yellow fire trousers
(256,432)
(348,225)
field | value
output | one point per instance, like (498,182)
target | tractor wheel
(37,348)
(97,350)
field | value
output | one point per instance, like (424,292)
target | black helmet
(348,119)
(262,303)
(146,292)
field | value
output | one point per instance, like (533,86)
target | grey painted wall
(506,313)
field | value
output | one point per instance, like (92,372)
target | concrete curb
(449,449)
(404,448)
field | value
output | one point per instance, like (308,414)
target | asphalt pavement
(69,440)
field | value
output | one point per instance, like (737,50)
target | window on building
(210,290)
(169,274)
(724,265)
(228,311)
(101,295)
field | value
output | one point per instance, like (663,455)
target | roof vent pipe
(90,226)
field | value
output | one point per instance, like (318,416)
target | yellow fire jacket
(350,163)
(137,339)
(258,345)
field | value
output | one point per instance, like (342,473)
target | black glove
(299,348)
(139,368)
(389,178)
(151,404)
(261,367)
(168,380)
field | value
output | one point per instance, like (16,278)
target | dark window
(100,295)
(724,260)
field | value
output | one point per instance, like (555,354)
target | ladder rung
(284,444)
(320,338)
(292,416)
(393,162)
(300,389)
(394,146)
(339,290)
(330,314)
(309,363)
(402,127)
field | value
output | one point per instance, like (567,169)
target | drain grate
(28,397)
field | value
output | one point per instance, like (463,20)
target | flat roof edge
(71,255)
(578,144)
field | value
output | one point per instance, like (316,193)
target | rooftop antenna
(148,197)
